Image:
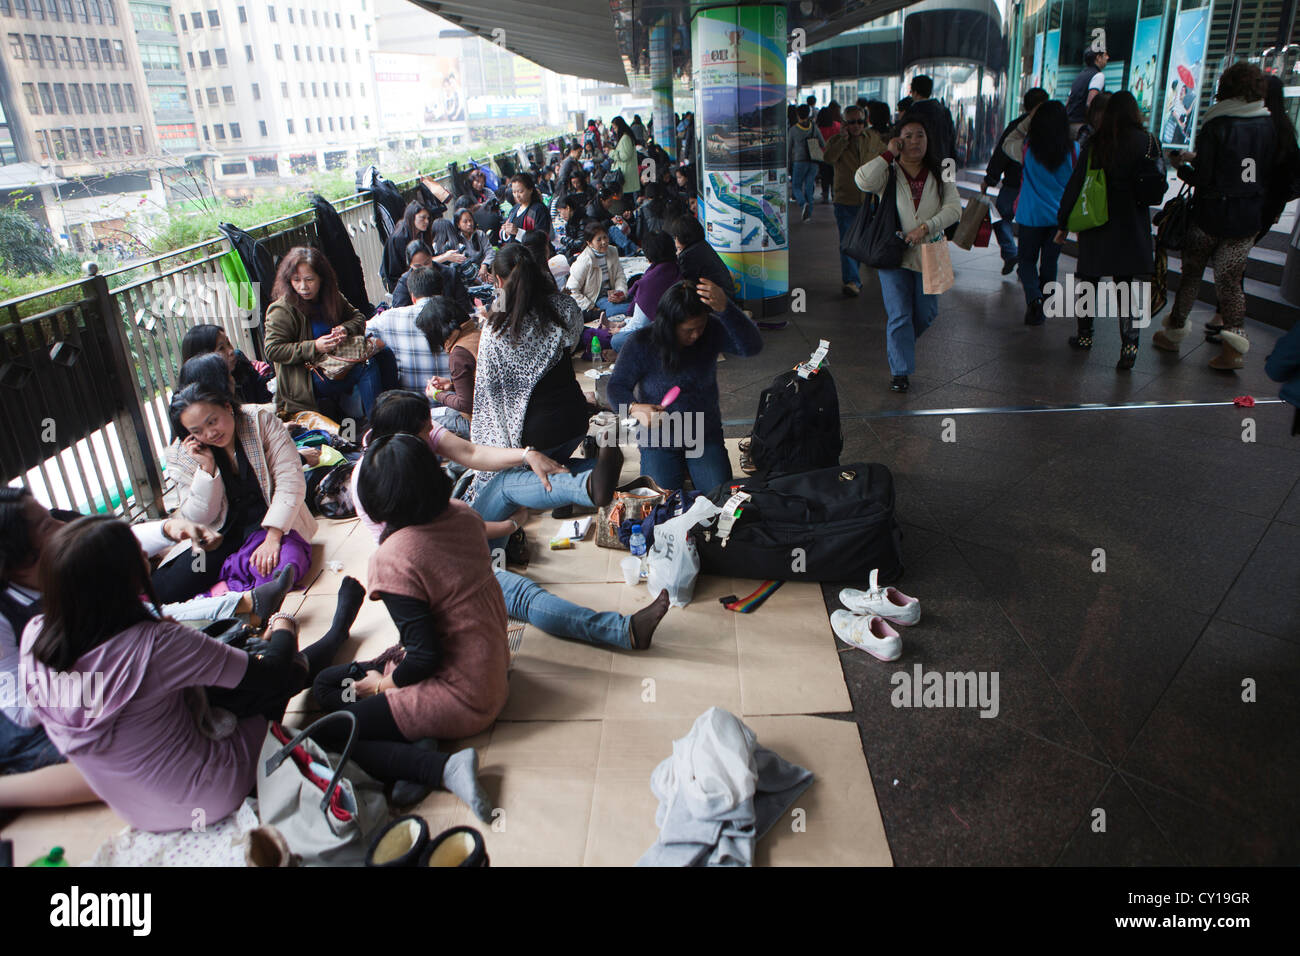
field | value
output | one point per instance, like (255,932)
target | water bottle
(636,544)
(53,858)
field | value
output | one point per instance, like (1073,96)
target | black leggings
(180,580)
(380,749)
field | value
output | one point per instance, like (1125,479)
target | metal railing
(87,368)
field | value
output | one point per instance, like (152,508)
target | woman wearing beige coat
(596,278)
(927,204)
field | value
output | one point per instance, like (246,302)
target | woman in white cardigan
(237,470)
(596,277)
(927,204)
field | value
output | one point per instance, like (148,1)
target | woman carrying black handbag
(916,205)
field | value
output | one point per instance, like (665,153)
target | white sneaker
(871,634)
(889,603)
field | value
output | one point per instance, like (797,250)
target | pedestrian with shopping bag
(909,175)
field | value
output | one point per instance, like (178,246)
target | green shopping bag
(241,287)
(1090,209)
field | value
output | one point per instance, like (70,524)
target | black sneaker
(1034,314)
(1008,266)
(898,383)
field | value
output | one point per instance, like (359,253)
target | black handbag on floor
(833,524)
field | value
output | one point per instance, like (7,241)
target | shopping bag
(1090,209)
(673,564)
(982,237)
(972,217)
(326,820)
(874,240)
(936,268)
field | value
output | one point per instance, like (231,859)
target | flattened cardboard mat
(568,764)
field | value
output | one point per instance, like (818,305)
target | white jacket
(938,210)
(584,276)
(276,462)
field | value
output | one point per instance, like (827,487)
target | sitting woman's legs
(57,785)
(529,601)
(712,468)
(613,308)
(188,574)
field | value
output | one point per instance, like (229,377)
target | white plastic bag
(673,563)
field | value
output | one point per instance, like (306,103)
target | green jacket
(290,346)
(848,156)
(624,157)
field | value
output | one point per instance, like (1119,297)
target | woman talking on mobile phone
(237,470)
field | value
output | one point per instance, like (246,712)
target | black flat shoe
(1008,266)
(898,383)
(459,846)
(1034,313)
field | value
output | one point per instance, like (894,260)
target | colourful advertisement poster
(416,91)
(1145,64)
(1051,62)
(1184,75)
(1036,77)
(740,106)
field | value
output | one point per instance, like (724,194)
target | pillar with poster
(740,98)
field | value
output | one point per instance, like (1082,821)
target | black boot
(1082,341)
(1128,354)
(1034,314)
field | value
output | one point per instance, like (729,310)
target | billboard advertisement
(1184,75)
(418,92)
(1142,80)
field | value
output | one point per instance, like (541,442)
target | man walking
(939,126)
(1008,171)
(848,151)
(1090,81)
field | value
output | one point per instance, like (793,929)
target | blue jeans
(1005,203)
(639,320)
(844,218)
(910,313)
(804,182)
(614,308)
(624,245)
(528,601)
(24,749)
(668,466)
(508,491)
(1038,255)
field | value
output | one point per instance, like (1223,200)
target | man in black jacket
(1086,85)
(571,162)
(938,121)
(1002,167)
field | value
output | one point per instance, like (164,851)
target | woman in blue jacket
(695,323)
(1047,159)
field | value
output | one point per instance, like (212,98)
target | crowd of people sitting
(472,414)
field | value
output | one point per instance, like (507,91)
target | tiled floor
(1127,690)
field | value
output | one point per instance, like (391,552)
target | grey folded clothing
(719,793)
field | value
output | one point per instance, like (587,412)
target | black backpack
(797,427)
(832,524)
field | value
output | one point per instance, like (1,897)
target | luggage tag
(730,512)
(814,363)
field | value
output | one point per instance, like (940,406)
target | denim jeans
(638,321)
(804,182)
(624,245)
(528,601)
(450,419)
(1005,203)
(1038,256)
(668,466)
(204,608)
(508,491)
(614,308)
(844,218)
(910,313)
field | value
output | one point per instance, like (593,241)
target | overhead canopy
(571,37)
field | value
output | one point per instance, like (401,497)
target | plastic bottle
(636,543)
(596,356)
(53,858)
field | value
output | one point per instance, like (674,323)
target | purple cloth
(240,575)
(135,739)
(651,286)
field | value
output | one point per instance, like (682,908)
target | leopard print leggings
(1228,256)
